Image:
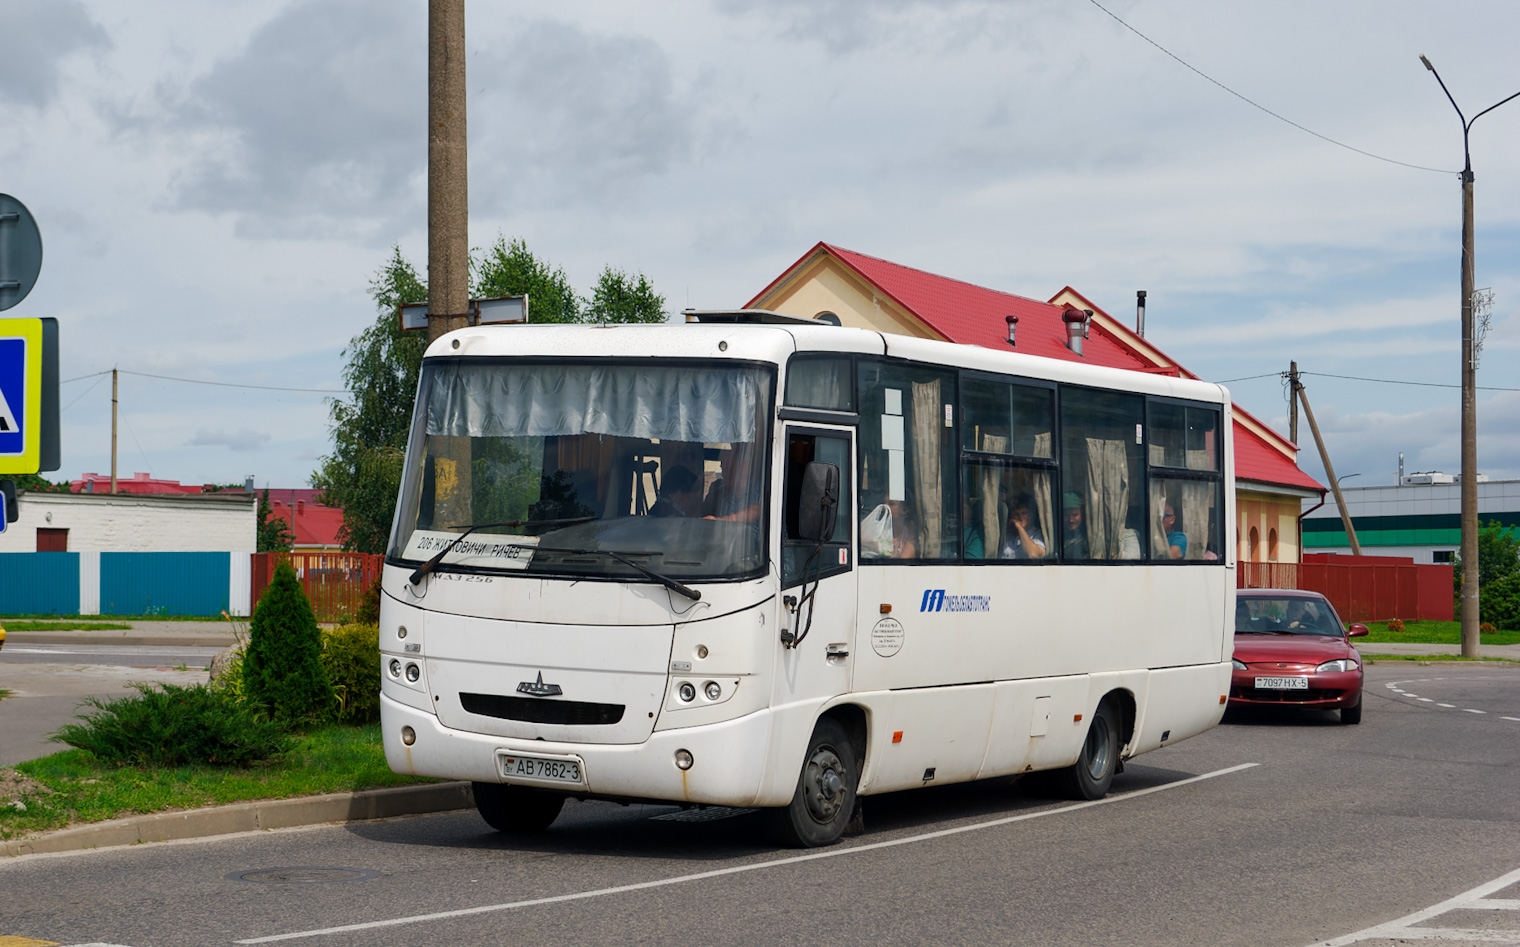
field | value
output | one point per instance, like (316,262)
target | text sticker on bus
(482,550)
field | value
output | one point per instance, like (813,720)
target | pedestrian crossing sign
(20,395)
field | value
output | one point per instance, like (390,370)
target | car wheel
(516,810)
(1353,714)
(1093,772)
(824,800)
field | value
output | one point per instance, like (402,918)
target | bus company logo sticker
(935,600)
(887,637)
(538,688)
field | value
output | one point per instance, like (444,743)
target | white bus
(758,561)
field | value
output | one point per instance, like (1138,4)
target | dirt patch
(14,785)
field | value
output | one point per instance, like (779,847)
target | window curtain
(681,404)
(930,514)
(992,512)
(1048,527)
(1192,500)
(1107,497)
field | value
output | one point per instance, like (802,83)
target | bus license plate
(536,767)
(1282,683)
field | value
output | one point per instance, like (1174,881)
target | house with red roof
(871,293)
(314,526)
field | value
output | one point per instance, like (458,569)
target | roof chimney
(1076,327)
(1013,325)
(300,507)
(1140,313)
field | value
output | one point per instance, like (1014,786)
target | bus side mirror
(819,502)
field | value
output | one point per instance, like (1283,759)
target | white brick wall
(196,522)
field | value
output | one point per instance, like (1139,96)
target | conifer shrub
(1499,602)
(351,657)
(282,668)
(169,725)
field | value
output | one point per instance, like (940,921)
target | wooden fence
(1362,588)
(336,582)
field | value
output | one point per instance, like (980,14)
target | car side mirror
(1357,630)
(819,502)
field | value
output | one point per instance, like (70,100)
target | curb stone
(249,816)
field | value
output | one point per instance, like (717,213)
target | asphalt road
(112,655)
(1271,830)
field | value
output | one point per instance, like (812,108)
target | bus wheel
(516,809)
(825,798)
(1093,772)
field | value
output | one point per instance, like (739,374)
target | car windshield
(1286,616)
(553,465)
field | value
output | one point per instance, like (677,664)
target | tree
(619,297)
(282,669)
(274,532)
(369,428)
(1498,557)
(509,269)
(31,483)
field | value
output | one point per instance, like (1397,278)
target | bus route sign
(20,395)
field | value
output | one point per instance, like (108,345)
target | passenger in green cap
(1074,541)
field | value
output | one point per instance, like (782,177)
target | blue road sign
(13,401)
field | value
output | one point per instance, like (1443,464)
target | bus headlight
(684,759)
(413,672)
(712,690)
(395,668)
(686,692)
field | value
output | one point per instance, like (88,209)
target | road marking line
(1428,700)
(13,941)
(1516,719)
(1446,705)
(1468,900)
(739,869)
(1469,710)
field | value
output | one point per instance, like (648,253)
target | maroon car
(1291,650)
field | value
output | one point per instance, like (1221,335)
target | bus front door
(817,579)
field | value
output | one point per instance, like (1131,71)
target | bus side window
(1102,475)
(803,448)
(907,462)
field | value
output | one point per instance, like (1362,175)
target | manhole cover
(302,876)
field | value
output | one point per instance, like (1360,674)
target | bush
(1487,628)
(1396,626)
(1499,602)
(369,607)
(351,658)
(282,668)
(168,725)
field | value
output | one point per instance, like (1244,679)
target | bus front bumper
(728,759)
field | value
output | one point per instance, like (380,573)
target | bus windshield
(552,465)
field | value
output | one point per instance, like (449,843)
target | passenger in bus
(735,501)
(1171,525)
(1024,539)
(904,531)
(680,494)
(1074,530)
(972,546)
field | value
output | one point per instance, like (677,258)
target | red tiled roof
(975,315)
(311,524)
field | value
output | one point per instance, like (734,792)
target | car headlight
(1237,664)
(1339,664)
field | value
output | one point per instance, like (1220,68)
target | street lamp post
(1469,388)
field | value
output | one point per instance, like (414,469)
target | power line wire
(86,391)
(1256,105)
(1392,381)
(220,384)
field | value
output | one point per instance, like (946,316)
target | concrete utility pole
(113,430)
(1469,388)
(448,180)
(1324,456)
(1293,387)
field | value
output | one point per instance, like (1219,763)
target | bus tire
(824,801)
(516,810)
(1353,714)
(1093,772)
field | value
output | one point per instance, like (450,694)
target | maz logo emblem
(538,688)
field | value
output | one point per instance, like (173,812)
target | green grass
(1430,632)
(6,619)
(1422,658)
(30,625)
(4,693)
(334,759)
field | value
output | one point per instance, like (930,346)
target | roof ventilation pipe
(1013,326)
(1140,313)
(1076,327)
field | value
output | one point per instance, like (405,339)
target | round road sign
(20,251)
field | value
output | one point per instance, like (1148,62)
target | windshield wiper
(423,570)
(664,580)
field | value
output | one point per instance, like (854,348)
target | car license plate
(518,766)
(1282,683)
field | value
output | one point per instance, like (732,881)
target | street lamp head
(1427,63)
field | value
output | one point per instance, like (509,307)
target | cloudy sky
(216,184)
